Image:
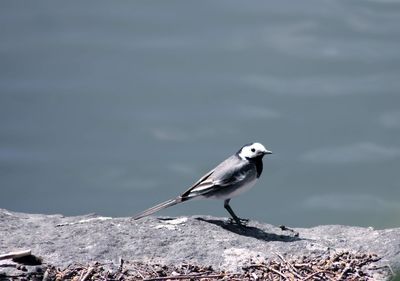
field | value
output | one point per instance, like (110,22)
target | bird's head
(253,150)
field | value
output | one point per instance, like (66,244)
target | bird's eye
(253,150)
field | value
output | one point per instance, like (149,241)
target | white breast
(247,186)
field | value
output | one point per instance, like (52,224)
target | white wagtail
(232,177)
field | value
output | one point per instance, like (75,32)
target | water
(111,107)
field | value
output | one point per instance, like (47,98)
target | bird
(235,175)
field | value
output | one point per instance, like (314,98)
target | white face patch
(253,150)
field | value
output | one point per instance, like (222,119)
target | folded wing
(225,174)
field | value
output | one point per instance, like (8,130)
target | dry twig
(13,255)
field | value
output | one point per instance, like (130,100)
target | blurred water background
(111,107)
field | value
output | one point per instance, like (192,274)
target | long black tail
(157,208)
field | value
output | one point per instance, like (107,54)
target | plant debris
(338,266)
(341,266)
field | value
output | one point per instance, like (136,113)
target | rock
(61,241)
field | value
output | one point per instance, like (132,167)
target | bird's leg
(238,220)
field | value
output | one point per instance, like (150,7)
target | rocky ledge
(208,245)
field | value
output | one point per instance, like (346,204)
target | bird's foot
(238,221)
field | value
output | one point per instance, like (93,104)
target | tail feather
(157,208)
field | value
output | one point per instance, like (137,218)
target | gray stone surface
(212,241)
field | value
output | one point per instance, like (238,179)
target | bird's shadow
(254,232)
